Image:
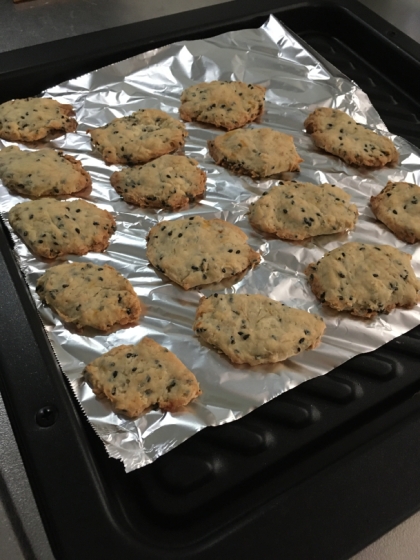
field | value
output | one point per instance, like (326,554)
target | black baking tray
(317,473)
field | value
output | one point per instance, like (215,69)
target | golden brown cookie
(365,279)
(137,377)
(139,137)
(255,329)
(194,251)
(224,104)
(259,152)
(88,295)
(42,173)
(50,228)
(27,120)
(398,207)
(339,134)
(168,181)
(292,210)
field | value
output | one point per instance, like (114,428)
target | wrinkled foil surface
(297,82)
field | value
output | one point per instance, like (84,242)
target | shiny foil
(297,82)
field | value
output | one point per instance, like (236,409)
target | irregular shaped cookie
(194,251)
(137,377)
(27,120)
(50,228)
(139,138)
(294,210)
(254,329)
(172,181)
(398,207)
(42,173)
(259,152)
(365,279)
(225,104)
(89,295)
(337,133)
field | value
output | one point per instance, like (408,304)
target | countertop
(41,21)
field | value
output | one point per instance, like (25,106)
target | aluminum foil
(297,82)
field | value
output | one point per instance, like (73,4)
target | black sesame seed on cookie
(205,249)
(87,300)
(41,222)
(396,206)
(325,213)
(31,119)
(137,377)
(42,173)
(369,280)
(254,329)
(172,181)
(226,105)
(139,137)
(337,133)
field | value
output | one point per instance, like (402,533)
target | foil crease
(297,82)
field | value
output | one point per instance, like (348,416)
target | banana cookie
(139,138)
(292,210)
(168,181)
(137,377)
(224,104)
(42,173)
(194,251)
(339,134)
(51,228)
(258,152)
(365,279)
(398,207)
(31,119)
(88,295)
(255,329)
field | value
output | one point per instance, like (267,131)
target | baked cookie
(259,152)
(398,207)
(254,329)
(50,228)
(137,377)
(225,104)
(89,295)
(292,210)
(194,251)
(337,133)
(139,138)
(365,279)
(28,120)
(168,181)
(42,173)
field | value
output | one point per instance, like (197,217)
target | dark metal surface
(42,21)
(404,14)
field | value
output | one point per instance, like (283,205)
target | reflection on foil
(296,83)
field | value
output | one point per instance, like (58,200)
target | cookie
(224,104)
(258,152)
(194,251)
(398,207)
(137,377)
(28,120)
(255,329)
(139,138)
(42,173)
(337,133)
(292,210)
(365,279)
(168,181)
(50,228)
(88,295)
